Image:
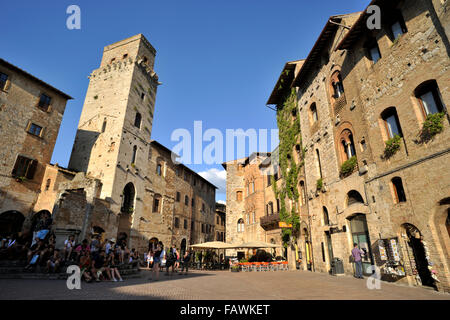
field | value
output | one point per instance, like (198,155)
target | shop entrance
(360,236)
(329,246)
(308,255)
(419,252)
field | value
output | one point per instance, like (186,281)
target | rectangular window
(185,224)
(375,54)
(397,29)
(254,217)
(429,103)
(193,202)
(3,80)
(35,129)
(177,222)
(392,126)
(178,196)
(44,102)
(24,167)
(156,205)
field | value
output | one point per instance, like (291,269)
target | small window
(303,193)
(240,225)
(159,169)
(177,222)
(313,113)
(239,196)
(133,158)
(178,197)
(138,120)
(3,80)
(429,98)
(193,202)
(326,219)
(125,56)
(254,217)
(337,85)
(253,186)
(24,167)
(185,224)
(34,129)
(203,207)
(47,184)
(391,123)
(112,60)
(156,203)
(104,126)
(44,102)
(186,200)
(192,225)
(396,24)
(399,192)
(142,96)
(373,51)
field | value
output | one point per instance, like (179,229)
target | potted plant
(234,268)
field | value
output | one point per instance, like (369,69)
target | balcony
(270,221)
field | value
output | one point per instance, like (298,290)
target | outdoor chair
(285,266)
(273,266)
(264,266)
(245,266)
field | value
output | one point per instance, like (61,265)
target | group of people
(159,258)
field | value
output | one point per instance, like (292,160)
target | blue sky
(218,60)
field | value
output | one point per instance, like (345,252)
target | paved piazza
(219,285)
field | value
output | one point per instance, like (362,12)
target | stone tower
(112,142)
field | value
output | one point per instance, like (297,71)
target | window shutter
(16,166)
(31,169)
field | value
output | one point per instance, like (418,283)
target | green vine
(289,136)
(432,126)
(392,146)
(348,166)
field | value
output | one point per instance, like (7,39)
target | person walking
(157,252)
(356,254)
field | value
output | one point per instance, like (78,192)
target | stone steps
(15,270)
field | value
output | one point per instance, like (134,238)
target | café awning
(256,245)
(212,245)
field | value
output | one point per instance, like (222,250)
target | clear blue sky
(218,60)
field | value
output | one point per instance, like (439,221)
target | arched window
(395,24)
(337,86)
(399,192)
(326,219)
(186,200)
(347,145)
(133,158)
(391,123)
(137,120)
(128,196)
(240,225)
(302,193)
(157,203)
(353,197)
(313,113)
(159,169)
(429,98)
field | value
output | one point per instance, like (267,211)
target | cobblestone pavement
(219,285)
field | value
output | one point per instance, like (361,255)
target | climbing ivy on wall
(289,136)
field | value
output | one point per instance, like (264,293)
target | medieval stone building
(30,116)
(120,184)
(375,135)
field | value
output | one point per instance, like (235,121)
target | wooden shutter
(31,169)
(16,166)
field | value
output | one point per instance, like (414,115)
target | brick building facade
(363,97)
(30,116)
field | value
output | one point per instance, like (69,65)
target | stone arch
(128,197)
(11,222)
(353,197)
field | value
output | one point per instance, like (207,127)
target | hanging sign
(283,224)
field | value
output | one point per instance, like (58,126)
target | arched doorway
(37,216)
(308,255)
(417,253)
(98,231)
(360,236)
(126,213)
(183,247)
(11,222)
